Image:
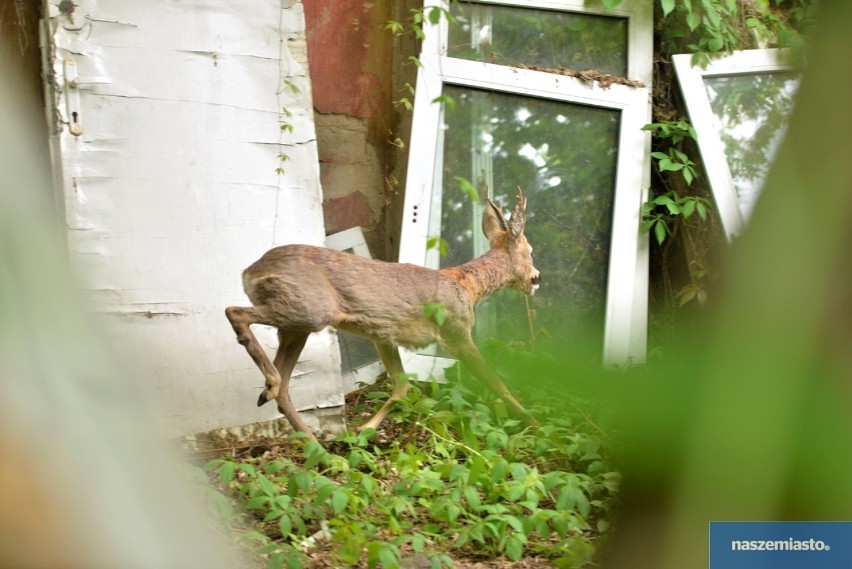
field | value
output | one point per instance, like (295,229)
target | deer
(300,289)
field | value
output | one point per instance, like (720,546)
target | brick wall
(356,68)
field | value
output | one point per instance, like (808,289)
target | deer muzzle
(535,282)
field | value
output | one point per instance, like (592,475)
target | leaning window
(739,105)
(550,96)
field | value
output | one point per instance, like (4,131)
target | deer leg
(393,365)
(290,345)
(469,354)
(241,319)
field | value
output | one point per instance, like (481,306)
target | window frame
(708,130)
(625,321)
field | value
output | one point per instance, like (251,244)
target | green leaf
(712,14)
(258,503)
(300,480)
(435,311)
(439,244)
(417,542)
(226,472)
(679,156)
(394,27)
(660,230)
(388,556)
(285,525)
(702,211)
(692,133)
(688,176)
(514,492)
(472,497)
(514,548)
(339,501)
(666,165)
(668,6)
(266,486)
(467,188)
(374,552)
(276,560)
(273,515)
(448,102)
(693,20)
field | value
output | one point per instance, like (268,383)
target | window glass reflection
(752,111)
(508,35)
(564,157)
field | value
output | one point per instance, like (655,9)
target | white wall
(170,188)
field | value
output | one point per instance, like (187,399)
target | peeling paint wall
(185,143)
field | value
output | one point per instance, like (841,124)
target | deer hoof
(267,394)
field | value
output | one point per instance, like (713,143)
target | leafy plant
(459,478)
(674,160)
(417,17)
(659,211)
(435,311)
(707,27)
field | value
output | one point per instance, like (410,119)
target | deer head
(509,237)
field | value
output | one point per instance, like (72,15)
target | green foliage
(675,130)
(659,212)
(466,187)
(405,101)
(435,311)
(707,27)
(459,479)
(448,102)
(416,19)
(673,160)
(439,244)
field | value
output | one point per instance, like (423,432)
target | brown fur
(301,289)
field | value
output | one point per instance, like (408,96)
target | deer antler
(518,219)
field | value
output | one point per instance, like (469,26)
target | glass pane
(564,157)
(752,111)
(355,352)
(508,35)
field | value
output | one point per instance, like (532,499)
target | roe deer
(301,289)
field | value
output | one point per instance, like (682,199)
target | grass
(449,479)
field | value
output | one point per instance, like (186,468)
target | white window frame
(625,324)
(691,78)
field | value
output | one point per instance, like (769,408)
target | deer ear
(518,219)
(493,222)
